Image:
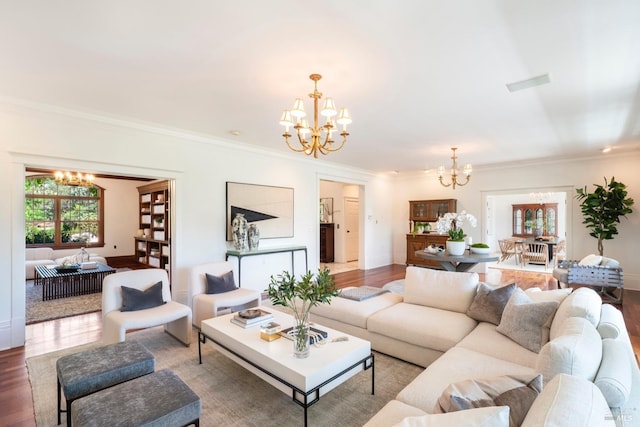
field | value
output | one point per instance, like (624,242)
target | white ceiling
(418,76)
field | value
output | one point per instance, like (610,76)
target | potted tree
(300,296)
(603,208)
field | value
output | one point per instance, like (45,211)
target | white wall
(521,179)
(48,137)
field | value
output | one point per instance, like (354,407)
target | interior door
(352,224)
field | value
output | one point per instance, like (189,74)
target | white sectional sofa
(461,331)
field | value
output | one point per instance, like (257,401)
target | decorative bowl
(70,268)
(480,251)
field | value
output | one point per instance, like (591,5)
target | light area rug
(511,265)
(40,311)
(231,395)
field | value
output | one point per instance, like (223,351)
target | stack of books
(251,317)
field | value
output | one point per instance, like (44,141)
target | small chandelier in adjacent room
(454,172)
(318,142)
(77,178)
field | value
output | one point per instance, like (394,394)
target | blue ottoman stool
(89,371)
(160,399)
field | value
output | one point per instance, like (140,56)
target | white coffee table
(304,379)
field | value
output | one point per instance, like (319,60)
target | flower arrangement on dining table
(451,223)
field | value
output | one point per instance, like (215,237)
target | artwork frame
(270,207)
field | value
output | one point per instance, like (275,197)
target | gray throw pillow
(134,299)
(515,391)
(527,322)
(489,303)
(220,284)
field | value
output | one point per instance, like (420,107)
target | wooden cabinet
(419,242)
(326,242)
(154,248)
(429,210)
(535,219)
(426,211)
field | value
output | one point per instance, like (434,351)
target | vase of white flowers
(451,224)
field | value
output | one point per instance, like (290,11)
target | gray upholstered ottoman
(158,399)
(89,371)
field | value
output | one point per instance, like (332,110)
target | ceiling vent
(528,83)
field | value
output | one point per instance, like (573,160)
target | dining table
(458,263)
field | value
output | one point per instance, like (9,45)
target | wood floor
(15,391)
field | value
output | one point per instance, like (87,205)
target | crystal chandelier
(317,142)
(454,172)
(79,179)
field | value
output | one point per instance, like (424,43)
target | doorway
(497,215)
(345,223)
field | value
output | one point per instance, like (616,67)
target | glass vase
(301,345)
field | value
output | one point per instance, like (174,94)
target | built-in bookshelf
(153,247)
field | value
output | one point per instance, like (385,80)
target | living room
(52,132)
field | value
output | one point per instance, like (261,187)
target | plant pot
(456,248)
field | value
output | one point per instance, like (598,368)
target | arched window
(62,216)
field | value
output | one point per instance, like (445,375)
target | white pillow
(494,416)
(591,260)
(569,401)
(583,302)
(445,290)
(576,351)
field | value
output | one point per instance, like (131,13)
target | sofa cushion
(355,313)
(569,401)
(515,391)
(440,289)
(489,303)
(486,340)
(583,302)
(557,295)
(527,322)
(134,299)
(220,284)
(495,416)
(457,364)
(614,376)
(577,351)
(424,326)
(611,321)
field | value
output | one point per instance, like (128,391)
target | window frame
(58,215)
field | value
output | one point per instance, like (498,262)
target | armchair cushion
(220,284)
(591,260)
(135,299)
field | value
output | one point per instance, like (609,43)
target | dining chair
(535,253)
(559,252)
(508,249)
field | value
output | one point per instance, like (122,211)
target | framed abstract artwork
(269,207)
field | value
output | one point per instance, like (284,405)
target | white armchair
(205,306)
(175,317)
